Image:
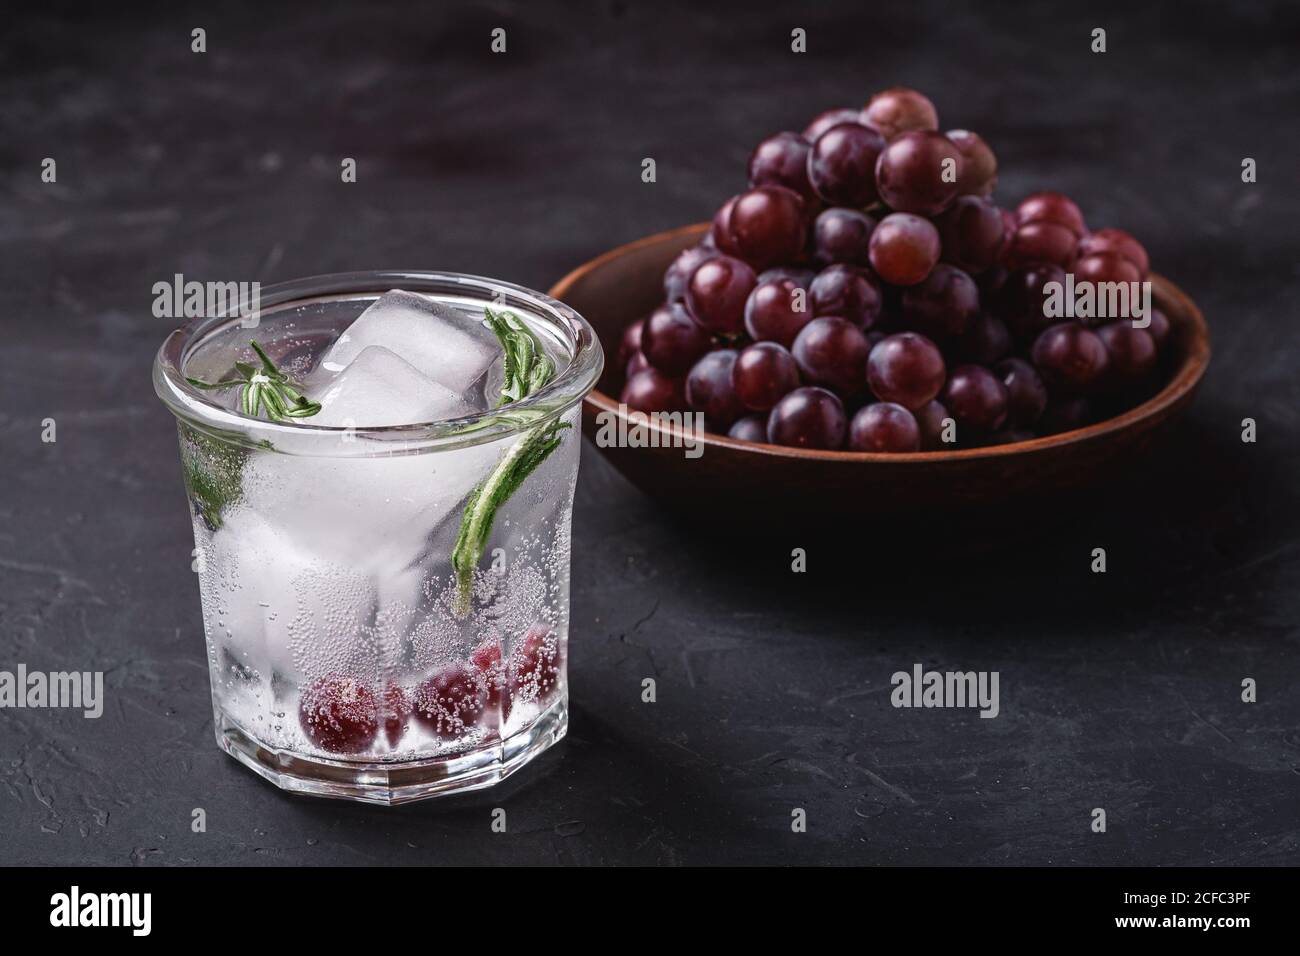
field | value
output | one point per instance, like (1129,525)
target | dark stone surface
(1118,691)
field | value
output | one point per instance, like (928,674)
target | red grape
(842,235)
(1020,300)
(904,248)
(1068,356)
(782,160)
(1159,328)
(1040,242)
(906,369)
(976,399)
(929,419)
(1026,393)
(917,172)
(1117,242)
(487,659)
(339,714)
(635,364)
(650,390)
(985,341)
(1131,352)
(720,231)
(717,292)
(451,702)
(899,109)
(763,374)
(796,274)
(808,418)
(672,341)
(972,232)
(630,344)
(944,304)
(1064,414)
(884,427)
(1105,267)
(991,282)
(535,665)
(750,428)
(832,351)
(979,167)
(842,163)
(767,225)
(679,272)
(1051,207)
(771,313)
(825,120)
(396,713)
(710,392)
(1009,224)
(847,291)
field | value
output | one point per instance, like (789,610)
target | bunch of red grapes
(867,293)
(343,714)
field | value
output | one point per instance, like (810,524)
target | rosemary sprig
(265,389)
(527,369)
(526,366)
(213,474)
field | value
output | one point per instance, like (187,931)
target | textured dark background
(1119,691)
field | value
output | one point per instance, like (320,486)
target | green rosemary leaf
(485,501)
(213,386)
(526,365)
(527,369)
(303,408)
(213,473)
(266,388)
(275,407)
(267,365)
(511,371)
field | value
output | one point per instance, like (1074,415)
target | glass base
(391,784)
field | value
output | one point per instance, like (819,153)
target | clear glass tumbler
(350,654)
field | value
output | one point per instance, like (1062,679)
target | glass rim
(196,408)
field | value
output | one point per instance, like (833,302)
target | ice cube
(379,388)
(442,343)
(382,508)
(278,609)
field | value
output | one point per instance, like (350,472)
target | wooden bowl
(625,284)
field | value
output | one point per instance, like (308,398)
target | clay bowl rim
(1188,323)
